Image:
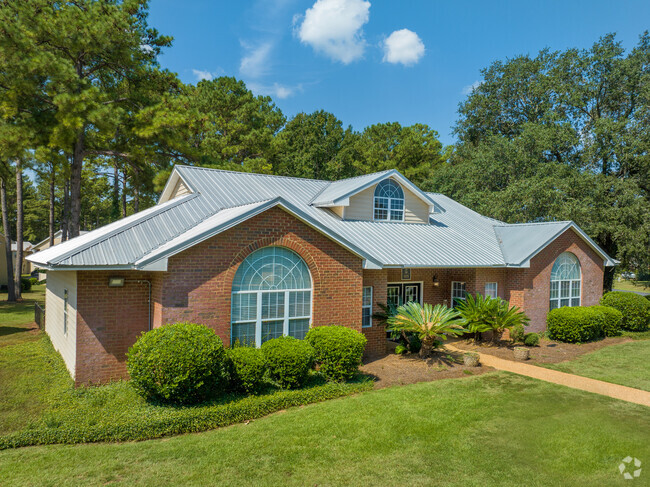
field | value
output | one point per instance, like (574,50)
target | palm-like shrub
(483,313)
(431,324)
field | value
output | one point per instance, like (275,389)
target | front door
(399,294)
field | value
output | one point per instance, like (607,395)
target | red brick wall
(109,320)
(197,288)
(376,334)
(198,281)
(530,288)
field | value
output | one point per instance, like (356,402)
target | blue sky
(376,61)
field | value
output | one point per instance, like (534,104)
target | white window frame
(496,289)
(366,307)
(388,209)
(572,295)
(453,290)
(65,312)
(285,318)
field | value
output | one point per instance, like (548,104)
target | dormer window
(389,201)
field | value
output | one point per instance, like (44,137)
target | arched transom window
(565,281)
(271,297)
(389,201)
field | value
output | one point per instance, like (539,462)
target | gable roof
(57,234)
(338,193)
(522,241)
(219,200)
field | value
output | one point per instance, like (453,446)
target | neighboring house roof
(46,241)
(455,237)
(26,246)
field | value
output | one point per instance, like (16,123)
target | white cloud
(275,90)
(469,88)
(403,47)
(201,75)
(255,63)
(335,28)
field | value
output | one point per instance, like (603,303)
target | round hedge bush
(531,340)
(246,368)
(575,325)
(288,360)
(612,320)
(181,363)
(635,309)
(338,350)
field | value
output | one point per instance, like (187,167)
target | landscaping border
(168,422)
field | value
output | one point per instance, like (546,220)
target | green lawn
(627,285)
(627,364)
(494,429)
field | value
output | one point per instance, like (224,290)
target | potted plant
(522,353)
(471,359)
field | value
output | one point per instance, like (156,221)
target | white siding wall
(65,344)
(362,204)
(179,190)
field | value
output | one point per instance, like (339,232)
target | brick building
(255,256)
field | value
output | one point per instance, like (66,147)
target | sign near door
(406,274)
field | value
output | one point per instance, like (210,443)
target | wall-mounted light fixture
(435,280)
(115,282)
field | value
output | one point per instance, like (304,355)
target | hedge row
(635,309)
(173,421)
(583,324)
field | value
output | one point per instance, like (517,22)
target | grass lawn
(628,285)
(627,364)
(495,429)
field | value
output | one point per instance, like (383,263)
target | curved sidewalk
(616,391)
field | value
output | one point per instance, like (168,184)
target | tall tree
(6,228)
(413,150)
(315,146)
(83,52)
(562,135)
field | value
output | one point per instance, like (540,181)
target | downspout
(140,281)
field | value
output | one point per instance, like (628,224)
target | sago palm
(505,318)
(430,323)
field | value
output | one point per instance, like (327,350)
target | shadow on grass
(10,330)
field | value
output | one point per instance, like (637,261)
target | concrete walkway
(616,391)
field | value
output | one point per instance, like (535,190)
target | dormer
(382,197)
(176,186)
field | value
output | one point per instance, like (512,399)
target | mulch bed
(548,352)
(393,370)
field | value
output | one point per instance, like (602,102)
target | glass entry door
(399,294)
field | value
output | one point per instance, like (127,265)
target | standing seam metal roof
(457,237)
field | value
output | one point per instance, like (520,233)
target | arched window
(271,297)
(565,281)
(389,201)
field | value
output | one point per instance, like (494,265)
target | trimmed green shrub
(25,285)
(612,320)
(517,333)
(401,349)
(575,325)
(182,363)
(635,309)
(288,360)
(33,280)
(246,368)
(338,350)
(531,340)
(157,422)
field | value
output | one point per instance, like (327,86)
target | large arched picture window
(389,201)
(271,297)
(565,281)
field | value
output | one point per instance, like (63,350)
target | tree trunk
(11,290)
(124,194)
(65,218)
(427,347)
(75,183)
(52,199)
(136,199)
(497,335)
(19,228)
